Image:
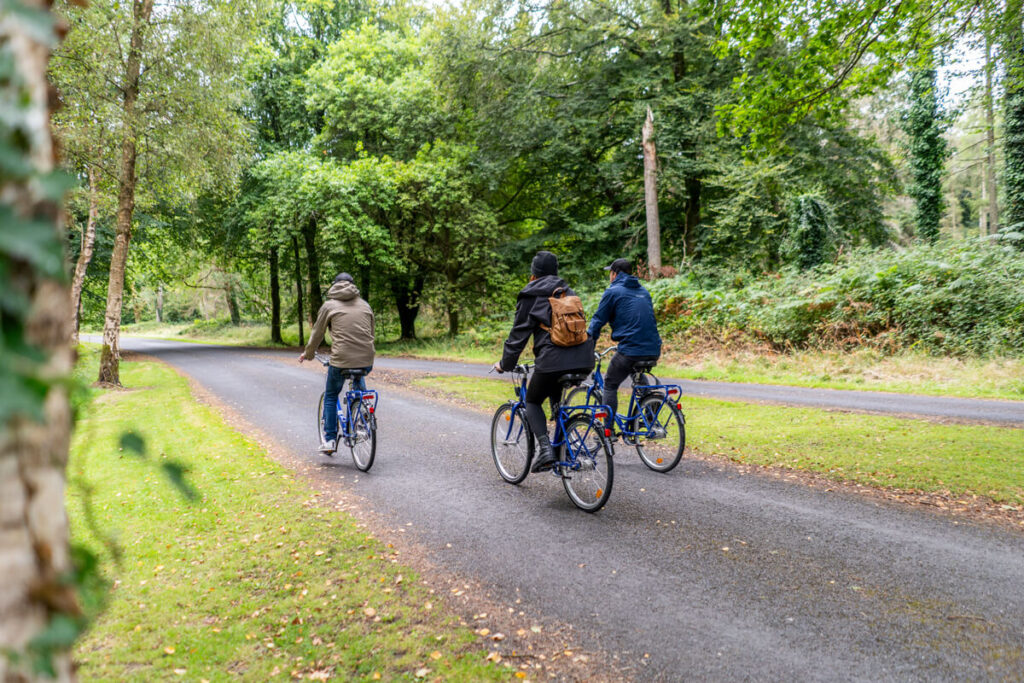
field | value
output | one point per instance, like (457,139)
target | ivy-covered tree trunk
(36,316)
(110,357)
(298,288)
(316,298)
(1013,143)
(85,253)
(927,153)
(991,210)
(275,298)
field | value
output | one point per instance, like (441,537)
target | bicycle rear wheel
(590,486)
(512,449)
(662,448)
(363,442)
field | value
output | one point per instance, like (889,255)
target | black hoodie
(532,311)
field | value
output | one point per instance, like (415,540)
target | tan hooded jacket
(351,327)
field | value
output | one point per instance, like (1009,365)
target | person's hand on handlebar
(497,368)
(302,357)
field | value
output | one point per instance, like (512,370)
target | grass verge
(867,449)
(227,565)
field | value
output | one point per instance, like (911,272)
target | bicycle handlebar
(324,359)
(606,352)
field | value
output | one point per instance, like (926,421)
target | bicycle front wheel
(363,442)
(590,485)
(320,419)
(511,443)
(662,446)
(580,397)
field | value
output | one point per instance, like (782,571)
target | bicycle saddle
(572,379)
(352,372)
(644,366)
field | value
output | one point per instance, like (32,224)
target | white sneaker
(328,447)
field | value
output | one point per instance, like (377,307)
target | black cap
(620,265)
(544,263)
(343,277)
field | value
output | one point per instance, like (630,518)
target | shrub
(959,298)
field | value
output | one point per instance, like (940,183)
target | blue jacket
(627,307)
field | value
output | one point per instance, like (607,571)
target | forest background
(817,183)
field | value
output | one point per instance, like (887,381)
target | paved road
(813,586)
(1010,412)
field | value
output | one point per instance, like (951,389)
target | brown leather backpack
(568,323)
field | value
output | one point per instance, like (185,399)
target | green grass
(251,578)
(864,369)
(868,449)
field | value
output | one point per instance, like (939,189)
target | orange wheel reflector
(598,494)
(659,460)
(508,417)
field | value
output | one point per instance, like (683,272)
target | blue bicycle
(357,420)
(581,444)
(654,422)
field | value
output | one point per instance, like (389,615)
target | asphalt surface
(715,574)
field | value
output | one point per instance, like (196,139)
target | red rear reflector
(371,410)
(367,398)
(673,391)
(601,415)
(679,406)
(607,432)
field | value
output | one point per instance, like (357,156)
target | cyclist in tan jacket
(350,321)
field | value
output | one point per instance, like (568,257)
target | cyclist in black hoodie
(550,361)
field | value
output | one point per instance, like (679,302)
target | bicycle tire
(512,463)
(590,486)
(363,444)
(661,453)
(320,419)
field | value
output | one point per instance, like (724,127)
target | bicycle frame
(345,418)
(639,391)
(597,415)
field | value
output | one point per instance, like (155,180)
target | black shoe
(545,458)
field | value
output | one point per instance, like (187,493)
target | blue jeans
(335,383)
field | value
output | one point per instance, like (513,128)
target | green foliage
(927,153)
(30,250)
(966,298)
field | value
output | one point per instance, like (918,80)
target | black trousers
(618,371)
(544,386)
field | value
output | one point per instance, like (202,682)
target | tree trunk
(229,290)
(316,298)
(111,354)
(453,320)
(34,555)
(651,196)
(990,143)
(364,282)
(85,254)
(407,300)
(275,298)
(298,288)
(159,302)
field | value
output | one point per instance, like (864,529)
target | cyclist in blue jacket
(627,307)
